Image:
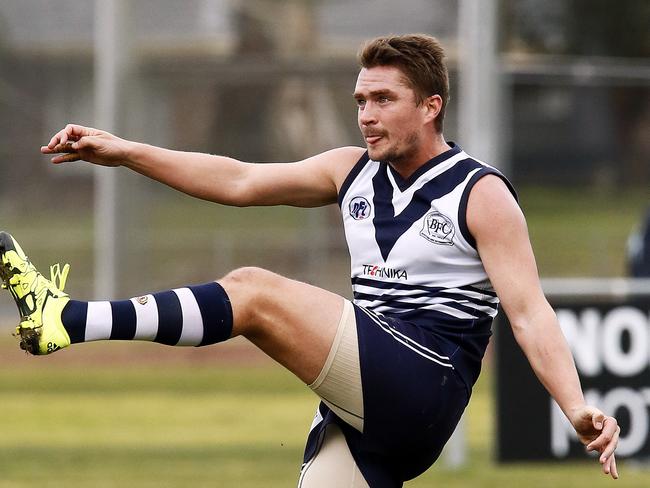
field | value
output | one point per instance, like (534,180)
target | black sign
(610,342)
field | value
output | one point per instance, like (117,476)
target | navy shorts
(413,398)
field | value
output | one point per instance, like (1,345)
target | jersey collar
(404,184)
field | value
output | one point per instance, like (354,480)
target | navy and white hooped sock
(191,316)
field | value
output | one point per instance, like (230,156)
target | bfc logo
(359,208)
(438,228)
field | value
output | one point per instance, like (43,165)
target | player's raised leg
(294,323)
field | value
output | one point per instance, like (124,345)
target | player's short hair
(420,57)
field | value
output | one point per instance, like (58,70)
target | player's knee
(249,277)
(254,288)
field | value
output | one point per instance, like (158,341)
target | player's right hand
(76,142)
(598,432)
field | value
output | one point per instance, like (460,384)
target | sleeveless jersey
(412,255)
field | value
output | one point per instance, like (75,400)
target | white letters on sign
(596,340)
(616,342)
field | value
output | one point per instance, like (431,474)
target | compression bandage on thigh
(191,316)
(333,464)
(339,382)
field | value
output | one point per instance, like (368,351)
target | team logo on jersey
(359,208)
(438,228)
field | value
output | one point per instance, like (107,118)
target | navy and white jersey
(412,255)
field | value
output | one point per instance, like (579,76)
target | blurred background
(271,80)
(564,94)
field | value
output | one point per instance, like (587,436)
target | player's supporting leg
(333,465)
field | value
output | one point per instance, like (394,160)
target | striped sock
(191,316)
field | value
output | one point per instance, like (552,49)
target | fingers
(606,443)
(613,470)
(69,142)
(607,440)
(600,433)
(69,150)
(59,148)
(611,445)
(71,132)
(66,158)
(597,419)
(60,138)
(609,467)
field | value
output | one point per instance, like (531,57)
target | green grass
(163,426)
(80,423)
(582,232)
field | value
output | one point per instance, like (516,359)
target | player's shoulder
(491,205)
(491,191)
(490,184)
(347,155)
(338,162)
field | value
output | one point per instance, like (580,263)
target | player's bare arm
(498,225)
(312,182)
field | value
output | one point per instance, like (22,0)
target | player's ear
(432,106)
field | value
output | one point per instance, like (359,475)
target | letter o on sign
(618,361)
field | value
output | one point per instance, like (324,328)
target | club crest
(438,228)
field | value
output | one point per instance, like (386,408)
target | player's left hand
(598,432)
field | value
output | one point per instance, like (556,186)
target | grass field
(98,416)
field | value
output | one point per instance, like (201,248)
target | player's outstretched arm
(312,182)
(499,227)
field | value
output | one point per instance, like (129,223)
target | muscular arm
(312,182)
(499,227)
(502,240)
(308,183)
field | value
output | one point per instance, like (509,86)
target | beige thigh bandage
(333,465)
(339,382)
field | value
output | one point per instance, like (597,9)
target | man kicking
(436,239)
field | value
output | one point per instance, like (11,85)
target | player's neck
(435,147)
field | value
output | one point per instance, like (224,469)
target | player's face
(391,123)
